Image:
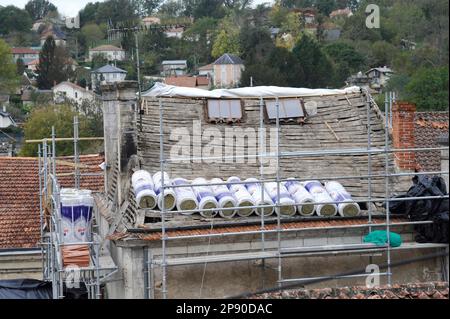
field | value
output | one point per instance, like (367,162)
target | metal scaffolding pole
(75,151)
(262,146)
(277,209)
(163,208)
(387,195)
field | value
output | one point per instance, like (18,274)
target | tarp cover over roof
(163,90)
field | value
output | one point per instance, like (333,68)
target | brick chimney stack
(403,134)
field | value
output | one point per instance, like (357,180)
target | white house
(72,92)
(110,52)
(227,71)
(5,119)
(56,34)
(206,70)
(26,54)
(379,76)
(174,67)
(174,32)
(148,21)
(107,74)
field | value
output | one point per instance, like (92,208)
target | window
(290,110)
(76,95)
(220,111)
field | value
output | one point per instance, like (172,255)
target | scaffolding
(101,267)
(163,262)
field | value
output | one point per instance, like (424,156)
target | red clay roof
(231,229)
(23,51)
(187,81)
(436,290)
(19,196)
(428,126)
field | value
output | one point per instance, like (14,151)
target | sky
(71,7)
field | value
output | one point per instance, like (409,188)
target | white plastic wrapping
(225,198)
(320,195)
(260,196)
(242,196)
(186,199)
(303,199)
(205,198)
(143,187)
(76,215)
(288,207)
(169,193)
(347,207)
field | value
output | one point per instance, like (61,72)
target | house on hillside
(379,76)
(149,21)
(344,13)
(206,70)
(110,52)
(174,67)
(26,54)
(107,74)
(56,33)
(228,70)
(201,82)
(6,119)
(72,92)
(175,32)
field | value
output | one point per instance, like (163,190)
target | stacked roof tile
(438,290)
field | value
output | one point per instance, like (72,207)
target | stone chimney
(119,121)
(403,134)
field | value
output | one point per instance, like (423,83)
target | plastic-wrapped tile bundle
(260,196)
(143,187)
(303,199)
(242,196)
(347,207)
(76,215)
(169,193)
(205,197)
(224,197)
(320,195)
(288,204)
(186,199)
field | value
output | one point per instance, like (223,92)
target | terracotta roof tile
(154,236)
(19,196)
(428,126)
(432,290)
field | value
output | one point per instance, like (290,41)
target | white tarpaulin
(163,90)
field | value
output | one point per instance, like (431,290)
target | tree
(146,7)
(40,122)
(20,66)
(92,33)
(39,9)
(227,40)
(428,89)
(53,65)
(317,69)
(14,19)
(8,75)
(346,60)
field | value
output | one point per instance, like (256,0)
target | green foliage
(346,61)
(39,9)
(41,120)
(92,34)
(53,65)
(317,69)
(14,19)
(8,74)
(20,66)
(227,40)
(429,89)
